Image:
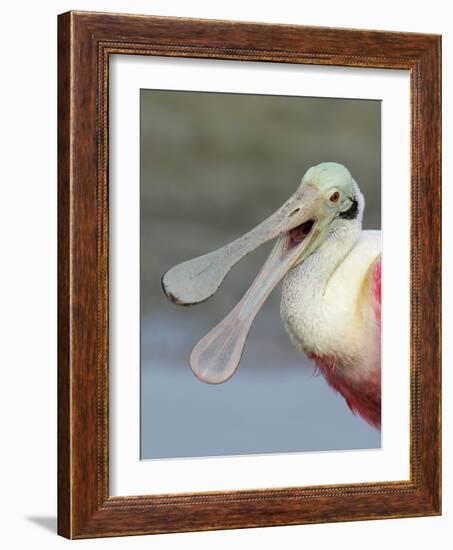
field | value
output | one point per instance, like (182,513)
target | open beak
(216,356)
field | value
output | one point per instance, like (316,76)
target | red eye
(334,197)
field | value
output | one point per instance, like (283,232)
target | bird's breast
(316,323)
(327,312)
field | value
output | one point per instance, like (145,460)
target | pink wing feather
(376,291)
(362,398)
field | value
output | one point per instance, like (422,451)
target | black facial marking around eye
(352,212)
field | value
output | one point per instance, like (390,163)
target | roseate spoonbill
(331,297)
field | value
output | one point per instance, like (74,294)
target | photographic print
(261,213)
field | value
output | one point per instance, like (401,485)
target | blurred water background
(212,167)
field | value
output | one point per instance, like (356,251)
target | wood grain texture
(64,390)
(85,41)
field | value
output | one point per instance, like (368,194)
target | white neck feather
(304,308)
(317,269)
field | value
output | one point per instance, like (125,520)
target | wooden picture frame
(85,42)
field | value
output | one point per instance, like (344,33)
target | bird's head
(326,201)
(327,198)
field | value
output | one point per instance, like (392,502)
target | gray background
(212,167)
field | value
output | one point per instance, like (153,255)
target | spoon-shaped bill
(216,356)
(195,280)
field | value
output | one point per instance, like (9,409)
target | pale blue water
(263,408)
